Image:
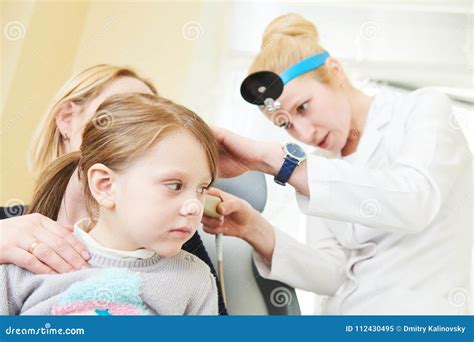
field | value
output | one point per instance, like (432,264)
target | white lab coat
(389,227)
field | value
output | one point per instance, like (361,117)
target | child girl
(145,164)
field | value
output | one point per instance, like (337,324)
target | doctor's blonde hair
(46,144)
(123,128)
(287,40)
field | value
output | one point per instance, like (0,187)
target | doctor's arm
(317,266)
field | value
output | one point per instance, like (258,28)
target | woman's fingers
(230,206)
(224,196)
(23,259)
(63,257)
(215,192)
(49,257)
(68,247)
(230,203)
(55,248)
(212,222)
(229,139)
(215,231)
(234,156)
(219,133)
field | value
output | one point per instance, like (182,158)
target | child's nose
(192,207)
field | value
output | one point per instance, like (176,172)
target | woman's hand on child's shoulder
(40,245)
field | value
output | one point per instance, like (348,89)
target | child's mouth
(181,231)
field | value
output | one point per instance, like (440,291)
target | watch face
(295,151)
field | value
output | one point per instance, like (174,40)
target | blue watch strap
(289,165)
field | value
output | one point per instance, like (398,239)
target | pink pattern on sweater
(113,309)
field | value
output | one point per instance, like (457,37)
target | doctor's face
(319,114)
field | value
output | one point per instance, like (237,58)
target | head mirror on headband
(263,88)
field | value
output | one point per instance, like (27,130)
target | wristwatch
(294,155)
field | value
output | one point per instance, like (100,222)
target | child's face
(159,193)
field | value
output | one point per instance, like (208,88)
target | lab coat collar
(379,115)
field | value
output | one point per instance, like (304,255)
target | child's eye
(174,186)
(302,108)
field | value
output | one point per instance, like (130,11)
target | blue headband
(302,67)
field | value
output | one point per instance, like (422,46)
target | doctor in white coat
(389,217)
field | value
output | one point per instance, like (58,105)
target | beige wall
(42,60)
(50,41)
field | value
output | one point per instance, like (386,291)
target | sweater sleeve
(205,301)
(12,293)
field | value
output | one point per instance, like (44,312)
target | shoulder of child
(13,271)
(191,263)
(16,285)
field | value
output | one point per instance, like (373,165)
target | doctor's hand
(243,221)
(238,154)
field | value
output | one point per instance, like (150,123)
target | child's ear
(100,179)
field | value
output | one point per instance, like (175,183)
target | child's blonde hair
(123,128)
(287,40)
(46,143)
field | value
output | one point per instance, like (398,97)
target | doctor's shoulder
(430,110)
(429,104)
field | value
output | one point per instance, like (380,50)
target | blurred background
(197,53)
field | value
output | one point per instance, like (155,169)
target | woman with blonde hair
(389,216)
(59,132)
(144,200)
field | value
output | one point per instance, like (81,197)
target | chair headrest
(251,187)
